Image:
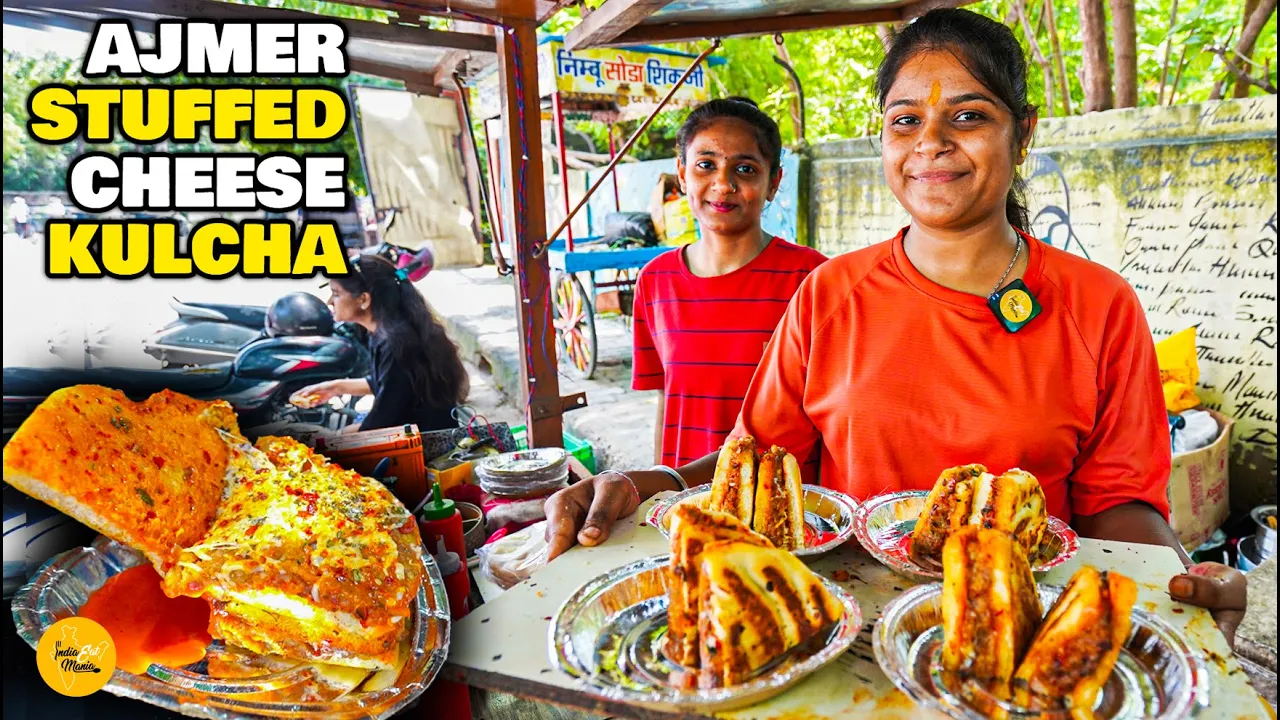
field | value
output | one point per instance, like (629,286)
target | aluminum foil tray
(608,635)
(884,525)
(65,583)
(828,516)
(1156,676)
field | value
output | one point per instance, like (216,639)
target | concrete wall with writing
(1181,201)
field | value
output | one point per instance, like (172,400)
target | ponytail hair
(417,338)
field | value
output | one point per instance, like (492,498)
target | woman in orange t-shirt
(960,340)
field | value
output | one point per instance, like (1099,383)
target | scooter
(402,257)
(257,382)
(206,333)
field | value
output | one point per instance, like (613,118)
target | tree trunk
(1168,53)
(1254,23)
(1037,54)
(1124,33)
(1096,65)
(1065,88)
(1177,77)
(797,110)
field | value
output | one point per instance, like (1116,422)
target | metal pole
(636,136)
(522,160)
(364,165)
(495,217)
(617,199)
(557,109)
(485,198)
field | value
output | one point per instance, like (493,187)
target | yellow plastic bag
(681,227)
(1179,370)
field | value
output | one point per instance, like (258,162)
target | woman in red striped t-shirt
(704,312)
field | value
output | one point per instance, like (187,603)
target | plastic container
(439,519)
(450,477)
(576,446)
(451,700)
(1265,534)
(362,451)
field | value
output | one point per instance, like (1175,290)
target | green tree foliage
(32,166)
(836,68)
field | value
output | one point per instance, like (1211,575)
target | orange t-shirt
(884,378)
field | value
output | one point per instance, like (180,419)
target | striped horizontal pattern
(700,339)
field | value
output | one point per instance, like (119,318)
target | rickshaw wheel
(573,314)
(627,297)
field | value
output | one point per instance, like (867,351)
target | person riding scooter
(418,376)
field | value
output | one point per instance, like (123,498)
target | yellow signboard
(620,75)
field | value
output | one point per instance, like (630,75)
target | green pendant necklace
(1014,306)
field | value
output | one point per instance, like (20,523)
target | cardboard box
(658,197)
(449,473)
(1198,487)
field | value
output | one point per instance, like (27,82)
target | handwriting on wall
(1182,203)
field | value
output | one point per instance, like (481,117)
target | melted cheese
(329,554)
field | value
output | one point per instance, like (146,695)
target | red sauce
(147,625)
(814,537)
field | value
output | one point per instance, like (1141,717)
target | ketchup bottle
(439,518)
(457,584)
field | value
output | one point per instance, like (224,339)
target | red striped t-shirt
(700,339)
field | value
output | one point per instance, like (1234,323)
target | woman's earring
(1022,154)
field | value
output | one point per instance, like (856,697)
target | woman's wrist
(648,483)
(672,473)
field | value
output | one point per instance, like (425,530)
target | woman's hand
(1218,588)
(1213,586)
(584,512)
(314,395)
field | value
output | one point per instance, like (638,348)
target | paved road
(478,308)
(47,321)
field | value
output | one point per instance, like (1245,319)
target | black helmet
(299,313)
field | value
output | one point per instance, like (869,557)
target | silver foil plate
(608,635)
(64,584)
(828,516)
(883,526)
(1156,676)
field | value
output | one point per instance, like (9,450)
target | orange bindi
(935,93)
